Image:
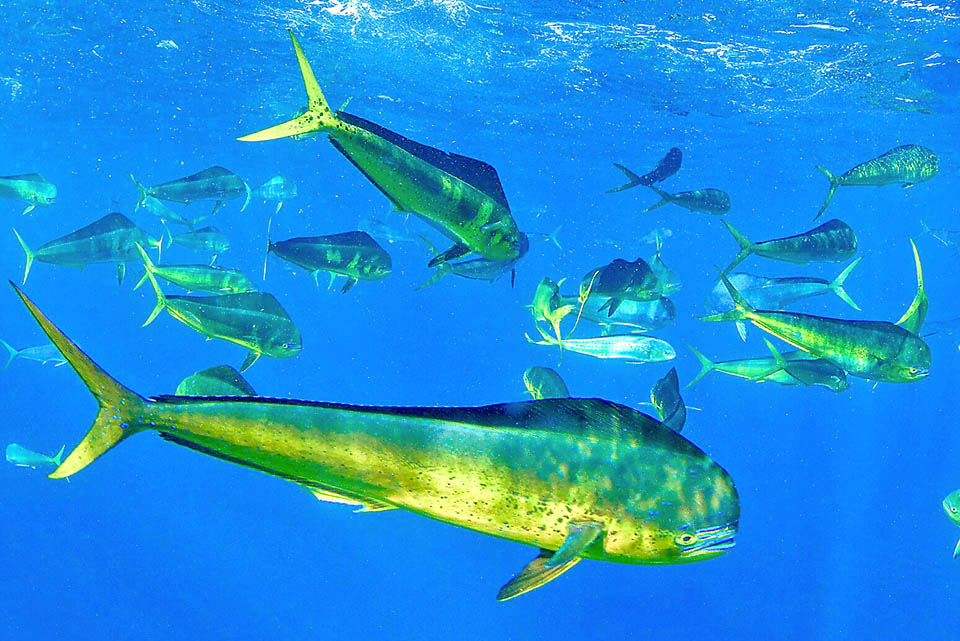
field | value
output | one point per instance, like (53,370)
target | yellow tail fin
(119,406)
(317,117)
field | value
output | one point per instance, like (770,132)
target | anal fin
(364,505)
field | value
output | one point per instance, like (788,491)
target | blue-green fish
(951,505)
(709,201)
(112,239)
(906,165)
(478,268)
(790,368)
(543,382)
(222,380)
(22,457)
(215,183)
(165,214)
(668,166)
(33,189)
(666,399)
(198,278)
(573,478)
(206,239)
(353,254)
(42,354)
(635,316)
(832,242)
(277,188)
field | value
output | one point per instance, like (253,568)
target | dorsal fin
(912,319)
(470,170)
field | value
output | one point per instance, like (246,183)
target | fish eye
(686,538)
(913,371)
(953,509)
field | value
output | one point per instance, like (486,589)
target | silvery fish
(22,457)
(277,188)
(42,354)
(632,348)
(215,183)
(33,189)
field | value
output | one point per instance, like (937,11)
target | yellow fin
(912,319)
(533,575)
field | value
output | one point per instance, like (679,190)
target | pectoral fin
(580,536)
(347,286)
(742,330)
(121,272)
(611,306)
(251,358)
(535,574)
(457,251)
(956,550)
(28,209)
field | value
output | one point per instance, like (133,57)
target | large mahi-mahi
(577,478)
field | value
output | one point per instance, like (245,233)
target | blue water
(842,534)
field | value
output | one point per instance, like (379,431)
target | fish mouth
(713,541)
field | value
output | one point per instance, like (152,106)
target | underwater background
(842,534)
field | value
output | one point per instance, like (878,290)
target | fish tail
(142,193)
(912,319)
(837,284)
(442,270)
(743,309)
(834,183)
(148,266)
(120,408)
(634,180)
(13,353)
(746,247)
(706,366)
(29,254)
(148,273)
(552,237)
(59,457)
(317,117)
(664,199)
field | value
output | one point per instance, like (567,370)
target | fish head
(911,364)
(951,505)
(283,344)
(544,298)
(706,542)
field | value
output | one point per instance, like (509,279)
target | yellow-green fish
(34,189)
(22,457)
(543,382)
(574,478)
(222,380)
(951,505)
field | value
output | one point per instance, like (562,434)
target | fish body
(477,268)
(632,348)
(214,183)
(877,350)
(278,189)
(22,457)
(33,189)
(668,166)
(802,369)
(198,278)
(222,380)
(951,505)
(583,477)
(460,196)
(906,165)
(640,316)
(385,231)
(547,305)
(111,239)
(42,354)
(352,254)
(206,239)
(666,399)
(621,280)
(543,382)
(765,292)
(666,277)
(832,242)
(254,321)
(165,214)
(708,201)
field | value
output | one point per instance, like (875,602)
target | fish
(198,278)
(462,197)
(709,201)
(875,350)
(476,268)
(951,505)
(585,478)
(385,231)
(832,242)
(222,380)
(206,239)
(42,354)
(256,322)
(654,237)
(668,279)
(353,254)
(764,292)
(618,281)
(22,457)
(543,382)
(165,214)
(111,239)
(632,348)
(214,183)
(666,399)
(277,188)
(33,189)
(906,165)
(797,368)
(547,306)
(947,237)
(668,166)
(637,316)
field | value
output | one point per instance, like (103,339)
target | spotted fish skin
(906,165)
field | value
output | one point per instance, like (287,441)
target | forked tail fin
(664,199)
(633,178)
(141,195)
(706,366)
(30,254)
(12,350)
(120,407)
(317,117)
(161,299)
(746,247)
(148,266)
(743,310)
(837,284)
(834,183)
(912,319)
